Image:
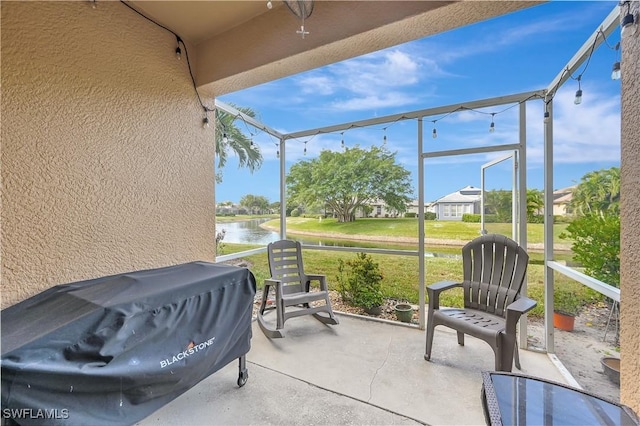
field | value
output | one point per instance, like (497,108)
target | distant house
(412,207)
(227,209)
(380,209)
(454,205)
(562,199)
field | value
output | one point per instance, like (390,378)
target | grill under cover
(112,350)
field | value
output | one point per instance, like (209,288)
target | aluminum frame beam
(606,27)
(247,119)
(483,103)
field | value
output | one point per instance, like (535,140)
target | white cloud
(317,85)
(373,101)
(585,133)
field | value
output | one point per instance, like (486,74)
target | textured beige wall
(630,220)
(105,165)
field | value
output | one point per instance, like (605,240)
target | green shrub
(561,219)
(476,218)
(409,214)
(596,245)
(566,302)
(536,218)
(295,212)
(429,216)
(471,218)
(360,281)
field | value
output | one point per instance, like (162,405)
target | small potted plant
(360,283)
(404,312)
(566,305)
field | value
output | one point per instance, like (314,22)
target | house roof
(468,194)
(564,195)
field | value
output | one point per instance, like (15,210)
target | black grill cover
(112,350)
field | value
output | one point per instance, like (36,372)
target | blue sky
(516,53)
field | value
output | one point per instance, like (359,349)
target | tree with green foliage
(499,203)
(596,245)
(255,203)
(596,230)
(230,139)
(349,180)
(598,191)
(535,202)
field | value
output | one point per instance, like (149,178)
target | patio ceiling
(264,45)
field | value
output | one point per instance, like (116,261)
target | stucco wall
(105,165)
(630,220)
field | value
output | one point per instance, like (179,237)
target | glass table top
(526,400)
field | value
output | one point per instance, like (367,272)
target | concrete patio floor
(359,372)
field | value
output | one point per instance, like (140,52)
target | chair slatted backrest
(494,268)
(285,264)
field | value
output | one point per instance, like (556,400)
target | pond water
(250,232)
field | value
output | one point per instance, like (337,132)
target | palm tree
(230,139)
(598,191)
(535,202)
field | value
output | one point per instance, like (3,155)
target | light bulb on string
(492,126)
(305,148)
(628,24)
(205,122)
(224,138)
(615,72)
(342,142)
(578,98)
(434,134)
(547,116)
(94,4)
(178,50)
(269,4)
(384,138)
(278,154)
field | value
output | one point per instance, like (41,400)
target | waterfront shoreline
(537,247)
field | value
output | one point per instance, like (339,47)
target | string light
(434,134)
(278,154)
(547,116)
(628,22)
(94,4)
(205,108)
(492,126)
(342,142)
(269,4)
(178,50)
(578,99)
(205,122)
(224,138)
(305,147)
(615,72)
(384,139)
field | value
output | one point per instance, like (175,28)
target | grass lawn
(408,227)
(242,217)
(401,274)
